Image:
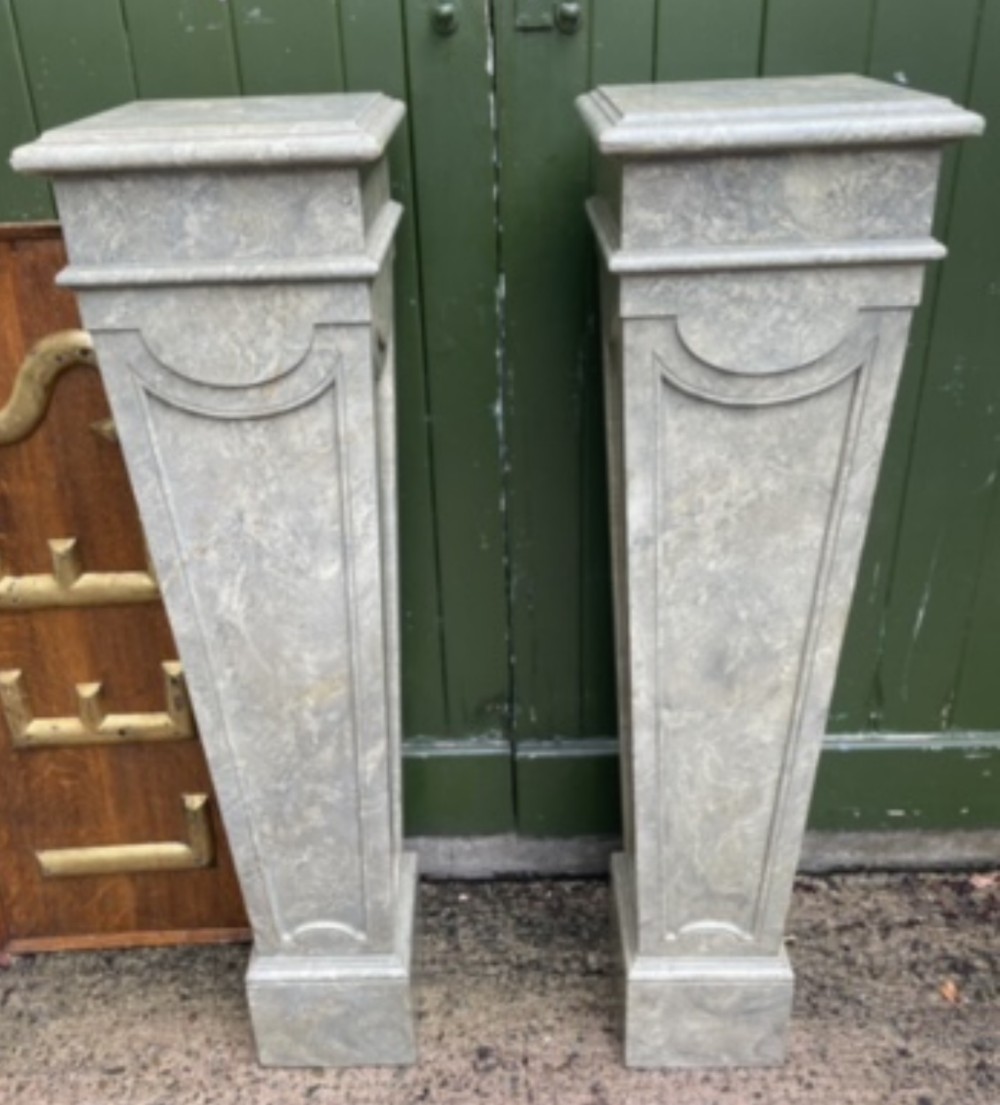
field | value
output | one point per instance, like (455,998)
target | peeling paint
(918,622)
(499,409)
(257,17)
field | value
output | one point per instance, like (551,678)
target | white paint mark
(925,595)
(921,613)
(895,813)
(900,77)
(500,308)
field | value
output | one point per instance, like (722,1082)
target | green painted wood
(861,786)
(571,789)
(944,528)
(184,48)
(707,39)
(977,700)
(622,41)
(815,36)
(976,696)
(22,199)
(457,788)
(549,361)
(940,785)
(374,57)
(931,47)
(455,210)
(287,47)
(76,57)
(568,788)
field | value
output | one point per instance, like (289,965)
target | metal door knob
(444,18)
(569,15)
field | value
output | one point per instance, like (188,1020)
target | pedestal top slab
(235,131)
(767,113)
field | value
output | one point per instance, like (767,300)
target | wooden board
(66,480)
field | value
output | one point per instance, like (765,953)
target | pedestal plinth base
(344,1012)
(698,1012)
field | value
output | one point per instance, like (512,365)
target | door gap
(501,406)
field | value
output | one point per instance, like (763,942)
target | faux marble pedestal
(232,260)
(763,247)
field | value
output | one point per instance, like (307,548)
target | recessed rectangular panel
(260,589)
(739,552)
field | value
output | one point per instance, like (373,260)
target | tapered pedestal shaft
(763,245)
(232,260)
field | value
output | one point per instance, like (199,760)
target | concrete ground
(897,1001)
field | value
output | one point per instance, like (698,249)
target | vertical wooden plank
(929,46)
(456,220)
(183,48)
(374,57)
(977,698)
(944,528)
(560,580)
(622,46)
(547,260)
(21,198)
(816,36)
(76,57)
(287,48)
(561,638)
(622,41)
(706,39)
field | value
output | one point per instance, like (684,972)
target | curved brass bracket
(127,859)
(70,585)
(45,362)
(93,726)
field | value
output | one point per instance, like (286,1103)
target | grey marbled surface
(762,243)
(242,314)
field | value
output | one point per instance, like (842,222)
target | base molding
(684,1012)
(923,784)
(312,1011)
(508,855)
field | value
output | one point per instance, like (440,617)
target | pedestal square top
(646,120)
(227,131)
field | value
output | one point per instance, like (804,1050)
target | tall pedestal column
(232,260)
(763,247)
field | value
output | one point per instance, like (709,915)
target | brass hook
(45,362)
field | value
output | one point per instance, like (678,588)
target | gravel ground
(897,1001)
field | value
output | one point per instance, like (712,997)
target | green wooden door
(509,702)
(914,724)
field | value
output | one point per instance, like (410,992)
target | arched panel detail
(685,370)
